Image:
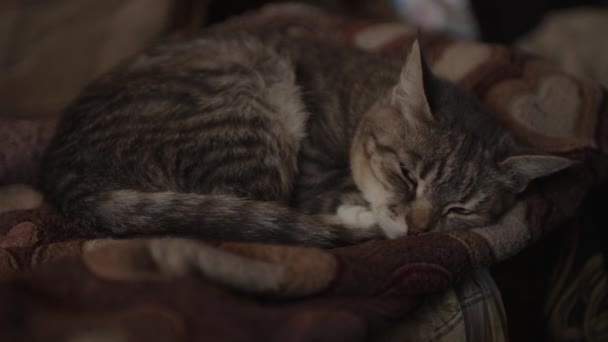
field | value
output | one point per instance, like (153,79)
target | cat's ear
(409,95)
(525,168)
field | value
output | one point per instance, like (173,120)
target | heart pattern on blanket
(556,115)
(552,110)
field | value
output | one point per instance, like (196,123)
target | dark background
(499,21)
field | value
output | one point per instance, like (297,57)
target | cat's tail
(215,217)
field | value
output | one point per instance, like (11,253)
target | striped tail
(213,217)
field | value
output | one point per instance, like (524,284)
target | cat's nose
(419,217)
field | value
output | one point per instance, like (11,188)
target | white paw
(356,216)
(393,229)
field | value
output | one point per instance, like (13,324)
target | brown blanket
(59,283)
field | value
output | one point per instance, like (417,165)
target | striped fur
(255,139)
(444,163)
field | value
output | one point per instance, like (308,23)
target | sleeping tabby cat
(278,139)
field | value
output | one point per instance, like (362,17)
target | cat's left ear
(409,95)
(525,168)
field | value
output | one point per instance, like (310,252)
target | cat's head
(429,157)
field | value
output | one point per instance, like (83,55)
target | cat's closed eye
(457,210)
(405,172)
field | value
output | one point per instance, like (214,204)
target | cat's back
(165,119)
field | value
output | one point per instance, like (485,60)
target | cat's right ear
(409,95)
(525,168)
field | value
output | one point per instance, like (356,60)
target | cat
(280,139)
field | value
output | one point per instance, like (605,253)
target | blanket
(58,282)
(570,37)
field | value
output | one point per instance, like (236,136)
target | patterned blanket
(58,283)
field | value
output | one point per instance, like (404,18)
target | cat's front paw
(391,228)
(356,216)
(362,217)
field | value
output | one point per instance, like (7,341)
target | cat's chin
(392,229)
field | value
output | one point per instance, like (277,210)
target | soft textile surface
(60,282)
(575,38)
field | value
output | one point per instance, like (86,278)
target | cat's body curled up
(284,140)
